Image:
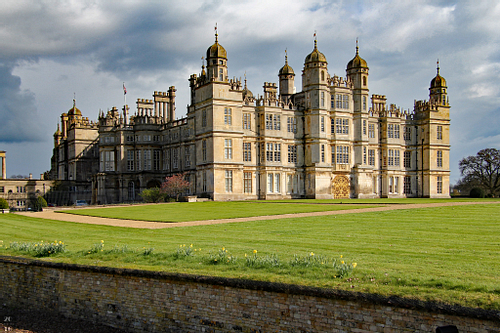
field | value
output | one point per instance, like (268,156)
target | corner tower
(287,80)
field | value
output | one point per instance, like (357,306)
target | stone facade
(330,140)
(145,301)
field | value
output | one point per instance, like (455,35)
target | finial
(286,57)
(245,79)
(216,35)
(438,67)
(74,99)
(357,47)
(315,40)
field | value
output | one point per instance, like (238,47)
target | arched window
(322,75)
(221,75)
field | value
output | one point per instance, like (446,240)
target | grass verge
(447,254)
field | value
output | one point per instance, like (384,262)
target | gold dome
(74,110)
(286,69)
(357,61)
(438,81)
(216,50)
(315,55)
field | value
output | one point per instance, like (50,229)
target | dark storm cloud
(19,121)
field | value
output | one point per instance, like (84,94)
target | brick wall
(157,302)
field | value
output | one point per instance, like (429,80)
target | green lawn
(449,254)
(209,210)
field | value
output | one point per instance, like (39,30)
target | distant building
(20,192)
(330,140)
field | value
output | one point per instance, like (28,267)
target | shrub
(477,192)
(41,249)
(4,204)
(152,195)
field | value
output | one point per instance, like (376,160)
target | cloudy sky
(53,49)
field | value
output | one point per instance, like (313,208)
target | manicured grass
(448,254)
(209,210)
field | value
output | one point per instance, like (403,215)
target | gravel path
(61,216)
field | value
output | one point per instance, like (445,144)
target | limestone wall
(158,302)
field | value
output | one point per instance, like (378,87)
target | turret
(217,62)
(286,78)
(438,90)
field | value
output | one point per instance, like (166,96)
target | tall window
(371,157)
(246,121)
(407,185)
(390,131)
(156,159)
(323,153)
(396,131)
(277,122)
(396,158)
(342,155)
(130,160)
(277,187)
(393,157)
(247,182)
(131,191)
(371,131)
(291,125)
(364,155)
(270,182)
(364,103)
(345,102)
(439,185)
(269,121)
(175,158)
(247,151)
(108,161)
(391,184)
(364,127)
(204,181)
(439,159)
(147,159)
(332,101)
(292,154)
(204,150)
(407,159)
(166,159)
(221,74)
(229,180)
(187,157)
(273,152)
(138,160)
(440,132)
(204,118)
(338,101)
(322,93)
(407,134)
(228,149)
(228,117)
(322,124)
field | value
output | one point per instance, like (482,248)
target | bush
(4,204)
(39,203)
(152,195)
(477,192)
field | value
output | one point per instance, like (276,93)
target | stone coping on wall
(292,289)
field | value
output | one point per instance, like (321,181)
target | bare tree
(483,169)
(175,185)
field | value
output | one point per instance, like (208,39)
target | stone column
(3,165)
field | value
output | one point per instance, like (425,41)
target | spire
(286,57)
(245,80)
(357,47)
(438,67)
(74,100)
(315,41)
(216,35)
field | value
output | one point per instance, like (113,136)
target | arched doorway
(340,187)
(153,183)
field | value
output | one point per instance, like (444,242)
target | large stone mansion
(330,140)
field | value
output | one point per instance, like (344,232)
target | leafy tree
(482,170)
(152,195)
(4,204)
(175,185)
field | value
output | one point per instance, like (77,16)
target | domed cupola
(315,55)
(357,61)
(246,92)
(438,93)
(286,69)
(74,111)
(438,81)
(216,50)
(217,61)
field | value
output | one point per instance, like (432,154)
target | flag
(124,89)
